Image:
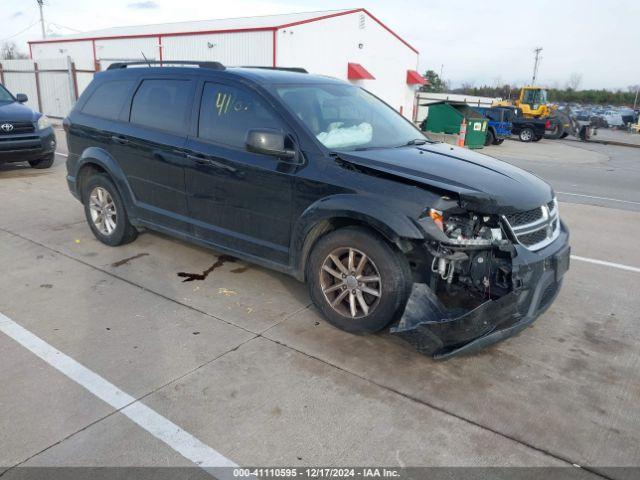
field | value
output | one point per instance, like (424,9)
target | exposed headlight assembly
(43,122)
(467,230)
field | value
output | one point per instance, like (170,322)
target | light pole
(535,65)
(40,4)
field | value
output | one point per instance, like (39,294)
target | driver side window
(227,113)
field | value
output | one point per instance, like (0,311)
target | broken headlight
(468,229)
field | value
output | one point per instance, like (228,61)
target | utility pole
(635,101)
(535,65)
(40,4)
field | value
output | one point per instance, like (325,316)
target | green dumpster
(446,117)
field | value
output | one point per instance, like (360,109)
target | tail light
(547,125)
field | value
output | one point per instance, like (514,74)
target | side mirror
(268,142)
(21,98)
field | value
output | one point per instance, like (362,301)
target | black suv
(25,135)
(317,178)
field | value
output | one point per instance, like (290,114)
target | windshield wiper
(415,141)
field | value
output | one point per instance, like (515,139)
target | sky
(471,41)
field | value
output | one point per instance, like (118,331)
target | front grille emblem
(535,228)
(6,127)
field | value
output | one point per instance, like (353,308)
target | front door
(238,199)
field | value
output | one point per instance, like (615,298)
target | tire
(527,134)
(43,163)
(564,135)
(383,262)
(490,138)
(499,141)
(115,228)
(557,126)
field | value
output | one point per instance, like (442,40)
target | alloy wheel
(350,282)
(103,211)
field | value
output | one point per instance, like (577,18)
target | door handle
(119,140)
(199,160)
(218,166)
(175,156)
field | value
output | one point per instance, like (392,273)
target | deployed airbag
(340,137)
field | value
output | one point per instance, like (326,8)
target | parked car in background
(613,118)
(450,249)
(499,126)
(526,129)
(25,135)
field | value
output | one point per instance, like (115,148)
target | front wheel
(106,213)
(527,134)
(357,280)
(43,163)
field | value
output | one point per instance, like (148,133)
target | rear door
(238,199)
(153,149)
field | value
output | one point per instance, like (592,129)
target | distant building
(348,44)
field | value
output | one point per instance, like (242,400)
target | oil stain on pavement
(190,277)
(125,261)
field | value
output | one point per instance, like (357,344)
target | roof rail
(212,65)
(286,69)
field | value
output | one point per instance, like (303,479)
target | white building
(348,44)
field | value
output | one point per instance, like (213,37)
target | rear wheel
(43,163)
(490,139)
(499,141)
(357,280)
(527,135)
(557,126)
(105,212)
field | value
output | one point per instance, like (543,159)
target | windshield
(344,117)
(5,96)
(535,96)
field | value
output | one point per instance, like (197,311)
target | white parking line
(606,264)
(62,154)
(163,429)
(599,198)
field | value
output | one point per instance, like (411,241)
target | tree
(9,51)
(434,82)
(574,81)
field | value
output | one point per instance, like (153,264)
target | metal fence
(52,85)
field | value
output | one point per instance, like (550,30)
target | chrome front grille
(537,228)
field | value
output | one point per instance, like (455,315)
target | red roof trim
(355,71)
(152,35)
(231,30)
(323,17)
(414,78)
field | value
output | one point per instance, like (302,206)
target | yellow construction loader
(533,103)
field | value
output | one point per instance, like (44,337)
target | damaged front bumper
(441,333)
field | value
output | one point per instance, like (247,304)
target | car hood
(482,183)
(17,112)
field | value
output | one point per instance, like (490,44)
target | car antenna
(145,58)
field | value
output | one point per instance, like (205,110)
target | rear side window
(228,113)
(162,104)
(108,99)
